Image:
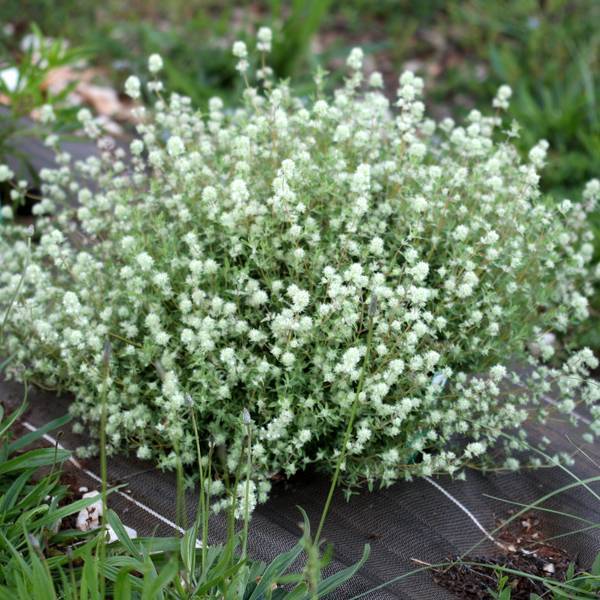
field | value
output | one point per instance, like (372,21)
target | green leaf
(155,584)
(595,570)
(152,545)
(114,566)
(7,593)
(12,493)
(218,580)
(90,579)
(16,555)
(188,548)
(38,433)
(3,365)
(6,425)
(42,457)
(275,569)
(298,593)
(121,533)
(122,589)
(331,583)
(40,579)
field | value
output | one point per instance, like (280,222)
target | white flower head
(155,63)
(6,174)
(47,114)
(175,146)
(145,261)
(239,49)
(133,87)
(376,80)
(355,59)
(264,38)
(84,115)
(502,98)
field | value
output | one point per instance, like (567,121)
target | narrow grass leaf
(275,569)
(14,491)
(155,584)
(42,457)
(31,437)
(121,533)
(331,583)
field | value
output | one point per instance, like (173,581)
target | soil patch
(474,577)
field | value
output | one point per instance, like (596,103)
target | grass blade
(38,433)
(331,583)
(121,533)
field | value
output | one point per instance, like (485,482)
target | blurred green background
(546,50)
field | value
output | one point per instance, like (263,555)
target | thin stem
(247,492)
(233,495)
(202,499)
(348,432)
(103,467)
(205,516)
(74,586)
(17,291)
(118,337)
(180,511)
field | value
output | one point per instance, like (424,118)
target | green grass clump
(42,558)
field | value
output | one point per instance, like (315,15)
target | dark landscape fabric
(406,525)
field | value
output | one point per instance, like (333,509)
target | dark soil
(472,577)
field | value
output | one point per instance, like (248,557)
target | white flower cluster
(292,257)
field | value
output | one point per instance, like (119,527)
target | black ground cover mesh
(32,155)
(406,521)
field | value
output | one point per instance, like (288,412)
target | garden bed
(303,352)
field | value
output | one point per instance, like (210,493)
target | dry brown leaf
(104,100)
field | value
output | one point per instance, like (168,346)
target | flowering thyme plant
(306,260)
